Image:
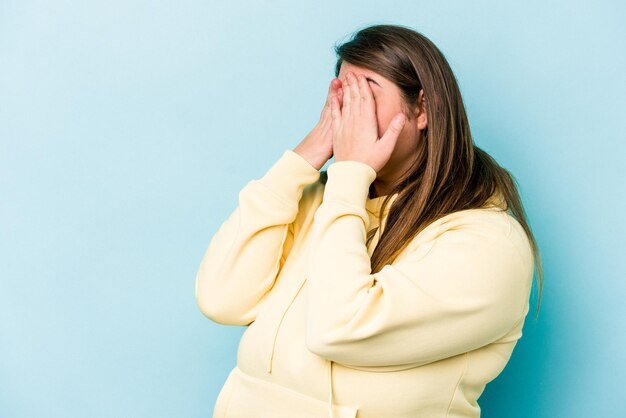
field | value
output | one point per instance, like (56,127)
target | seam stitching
(456,387)
(282,199)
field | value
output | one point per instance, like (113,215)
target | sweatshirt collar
(373,205)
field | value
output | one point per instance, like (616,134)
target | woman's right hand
(317,146)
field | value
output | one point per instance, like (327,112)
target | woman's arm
(465,289)
(247,251)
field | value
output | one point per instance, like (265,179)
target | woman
(395,283)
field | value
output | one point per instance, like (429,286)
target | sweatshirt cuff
(289,175)
(349,181)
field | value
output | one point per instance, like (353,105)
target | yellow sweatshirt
(325,336)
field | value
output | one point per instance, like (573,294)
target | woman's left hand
(355,129)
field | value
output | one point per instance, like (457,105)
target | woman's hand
(317,146)
(355,129)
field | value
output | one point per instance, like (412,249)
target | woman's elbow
(221,309)
(209,304)
(221,313)
(323,344)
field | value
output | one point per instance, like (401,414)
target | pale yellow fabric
(325,337)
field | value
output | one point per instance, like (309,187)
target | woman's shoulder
(491,225)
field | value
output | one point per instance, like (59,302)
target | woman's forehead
(369,74)
(345,67)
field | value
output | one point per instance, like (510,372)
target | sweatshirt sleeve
(246,253)
(468,288)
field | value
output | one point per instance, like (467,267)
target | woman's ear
(422,120)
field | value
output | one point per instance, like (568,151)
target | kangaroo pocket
(258,398)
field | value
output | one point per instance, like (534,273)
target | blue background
(127,129)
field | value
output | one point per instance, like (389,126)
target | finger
(331,89)
(355,101)
(335,113)
(367,99)
(325,119)
(347,102)
(393,130)
(339,91)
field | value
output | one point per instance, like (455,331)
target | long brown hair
(450,172)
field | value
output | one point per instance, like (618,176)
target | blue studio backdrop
(127,129)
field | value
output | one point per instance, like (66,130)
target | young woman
(395,283)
